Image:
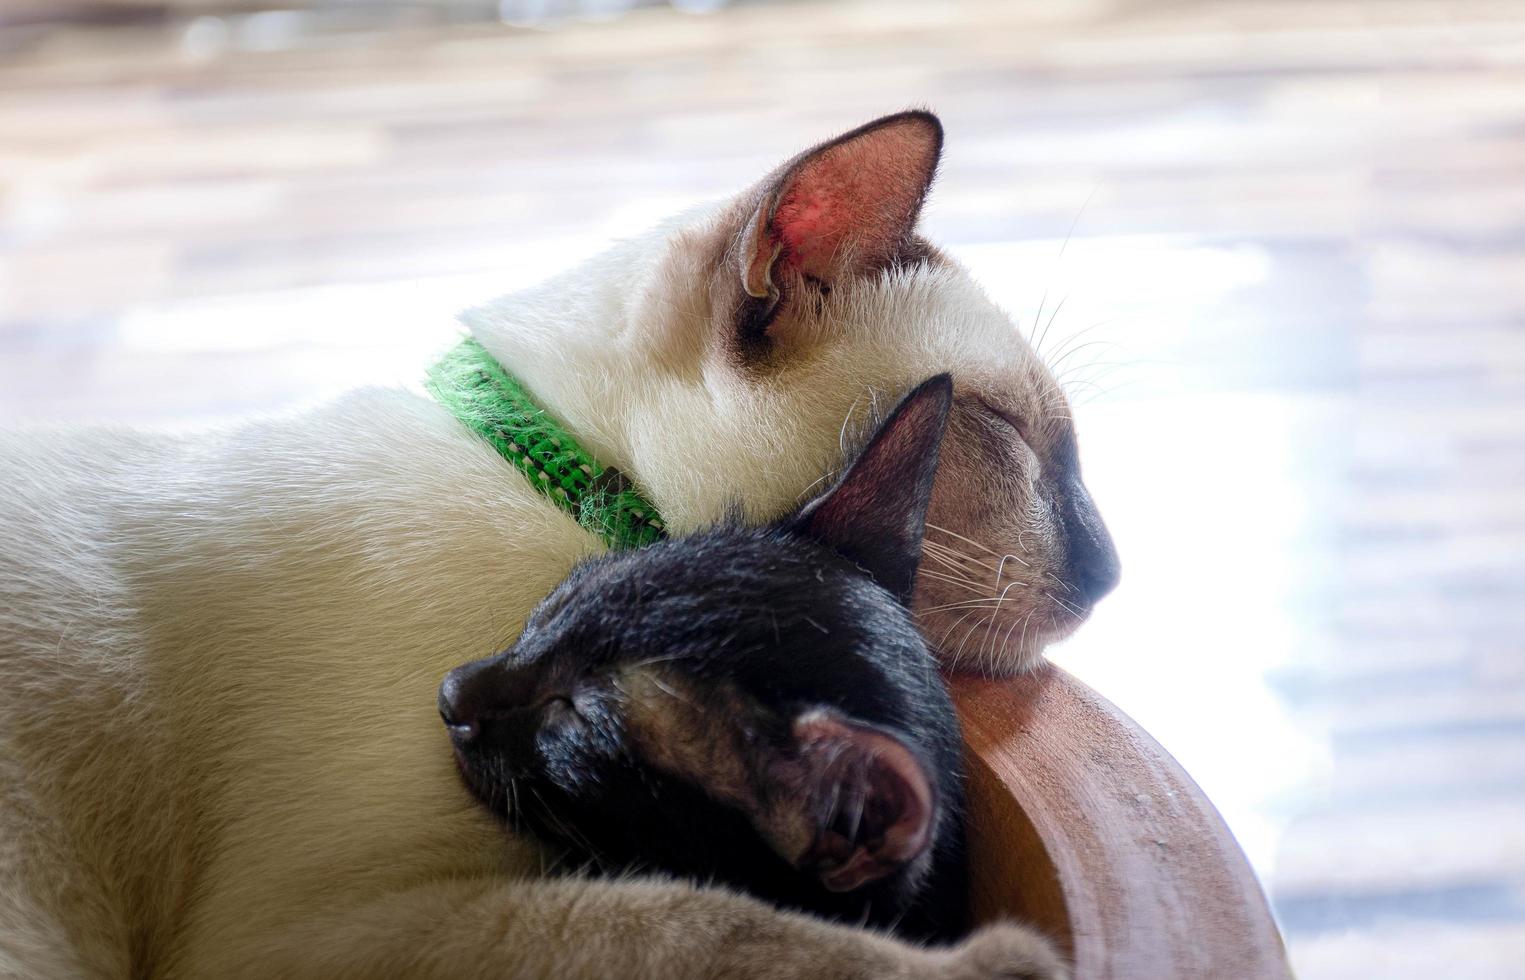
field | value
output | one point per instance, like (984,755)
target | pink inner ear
(851,205)
(894,787)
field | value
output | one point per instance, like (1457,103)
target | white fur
(621,350)
(218,739)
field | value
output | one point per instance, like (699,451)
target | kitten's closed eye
(750,706)
(562,710)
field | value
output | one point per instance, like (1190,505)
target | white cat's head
(735,354)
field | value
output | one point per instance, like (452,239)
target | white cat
(219,754)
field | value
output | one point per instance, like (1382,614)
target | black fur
(754,628)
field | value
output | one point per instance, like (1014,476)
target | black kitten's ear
(853,803)
(877,513)
(845,207)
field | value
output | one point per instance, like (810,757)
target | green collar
(478,391)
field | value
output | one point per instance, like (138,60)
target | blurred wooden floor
(1284,240)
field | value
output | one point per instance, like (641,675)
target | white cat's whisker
(962,583)
(985,626)
(1005,640)
(994,629)
(1112,365)
(1068,346)
(1003,596)
(1100,391)
(967,603)
(948,556)
(1051,317)
(1073,610)
(949,559)
(951,554)
(956,561)
(954,534)
(1032,331)
(943,640)
(1001,568)
(959,653)
(1022,640)
(951,570)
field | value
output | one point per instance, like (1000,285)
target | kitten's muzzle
(459,705)
(484,705)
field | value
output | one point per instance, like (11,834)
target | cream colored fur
(219,753)
(628,352)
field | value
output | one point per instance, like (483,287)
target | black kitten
(752,706)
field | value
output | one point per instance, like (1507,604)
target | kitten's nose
(490,702)
(460,701)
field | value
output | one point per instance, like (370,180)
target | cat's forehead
(740,584)
(890,332)
(926,313)
(706,733)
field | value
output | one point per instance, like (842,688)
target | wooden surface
(1082,825)
(1275,249)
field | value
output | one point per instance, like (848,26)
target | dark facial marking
(745,705)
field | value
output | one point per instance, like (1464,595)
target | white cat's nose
(1093,566)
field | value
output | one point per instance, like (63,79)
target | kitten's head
(754,705)
(771,328)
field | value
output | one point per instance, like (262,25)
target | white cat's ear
(868,804)
(876,514)
(845,207)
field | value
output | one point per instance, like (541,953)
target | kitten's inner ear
(845,207)
(866,805)
(876,514)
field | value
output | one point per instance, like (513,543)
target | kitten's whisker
(571,833)
(667,658)
(669,691)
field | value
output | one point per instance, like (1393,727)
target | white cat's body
(236,657)
(219,749)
